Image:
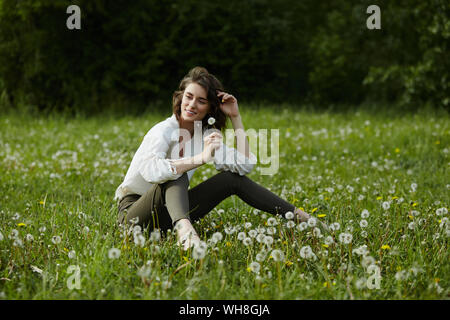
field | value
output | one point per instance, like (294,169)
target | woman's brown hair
(202,77)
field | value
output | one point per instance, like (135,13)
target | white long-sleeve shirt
(151,163)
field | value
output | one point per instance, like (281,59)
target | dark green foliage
(131,54)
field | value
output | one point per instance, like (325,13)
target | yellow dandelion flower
(321,215)
(314,210)
(156,283)
(385,247)
(289,263)
(41,202)
(285,242)
(399,268)
(66,250)
(326,284)
(301,208)
(394,197)
(325,245)
(21,224)
(437,280)
(326,198)
(228,244)
(411,217)
(249,269)
(414,204)
(397,150)
(438,142)
(185,259)
(379,198)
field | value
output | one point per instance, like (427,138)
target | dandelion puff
(155,235)
(363,223)
(365,214)
(241,235)
(211,121)
(306,252)
(56,239)
(277,255)
(361,283)
(268,241)
(345,238)
(255,267)
(290,224)
(302,226)
(17,242)
(29,237)
(441,211)
(216,237)
(272,222)
(260,237)
(247,241)
(260,257)
(198,253)
(289,215)
(113,253)
(144,272)
(247,225)
(335,226)
(271,230)
(364,234)
(329,240)
(139,240)
(411,225)
(13,234)
(312,222)
(252,233)
(316,233)
(367,261)
(134,220)
(71,254)
(386,205)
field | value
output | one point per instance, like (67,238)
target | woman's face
(194,104)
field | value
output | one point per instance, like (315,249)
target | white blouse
(151,163)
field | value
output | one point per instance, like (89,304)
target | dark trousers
(164,204)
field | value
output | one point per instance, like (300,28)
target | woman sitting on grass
(155,192)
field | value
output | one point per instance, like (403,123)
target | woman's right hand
(212,142)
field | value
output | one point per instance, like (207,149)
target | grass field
(380,178)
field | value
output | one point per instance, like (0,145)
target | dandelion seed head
(365,214)
(289,215)
(277,255)
(211,121)
(113,253)
(255,267)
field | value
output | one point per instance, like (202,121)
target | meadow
(378,178)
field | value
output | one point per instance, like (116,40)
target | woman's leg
(208,194)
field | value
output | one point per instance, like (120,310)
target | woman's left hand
(228,104)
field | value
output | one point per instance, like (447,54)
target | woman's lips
(191,113)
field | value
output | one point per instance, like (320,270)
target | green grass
(61,173)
